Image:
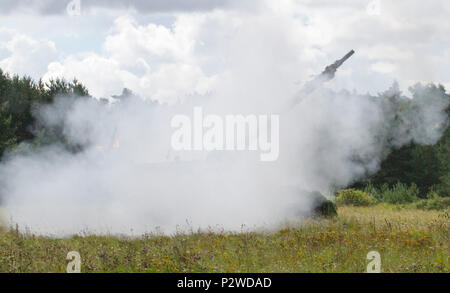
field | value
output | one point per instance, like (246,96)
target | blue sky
(166,50)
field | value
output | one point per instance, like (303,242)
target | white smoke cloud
(235,62)
(329,139)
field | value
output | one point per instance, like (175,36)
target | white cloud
(131,41)
(28,56)
(99,74)
(191,49)
(153,60)
(383,67)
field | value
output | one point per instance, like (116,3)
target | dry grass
(408,240)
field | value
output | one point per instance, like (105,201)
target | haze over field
(233,58)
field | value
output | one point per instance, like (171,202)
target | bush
(432,195)
(400,193)
(354,197)
(437,203)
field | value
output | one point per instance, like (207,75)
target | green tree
(19,96)
(8,137)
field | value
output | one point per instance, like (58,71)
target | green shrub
(432,195)
(437,203)
(400,193)
(354,197)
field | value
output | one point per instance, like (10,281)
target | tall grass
(408,240)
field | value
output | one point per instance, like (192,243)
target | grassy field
(408,240)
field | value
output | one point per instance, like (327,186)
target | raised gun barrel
(330,70)
(326,75)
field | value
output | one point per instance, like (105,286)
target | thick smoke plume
(125,178)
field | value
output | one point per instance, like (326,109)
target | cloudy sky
(168,49)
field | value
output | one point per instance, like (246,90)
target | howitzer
(326,75)
(330,70)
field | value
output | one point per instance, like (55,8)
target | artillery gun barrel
(325,76)
(343,59)
(330,70)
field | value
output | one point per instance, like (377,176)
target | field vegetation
(408,240)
